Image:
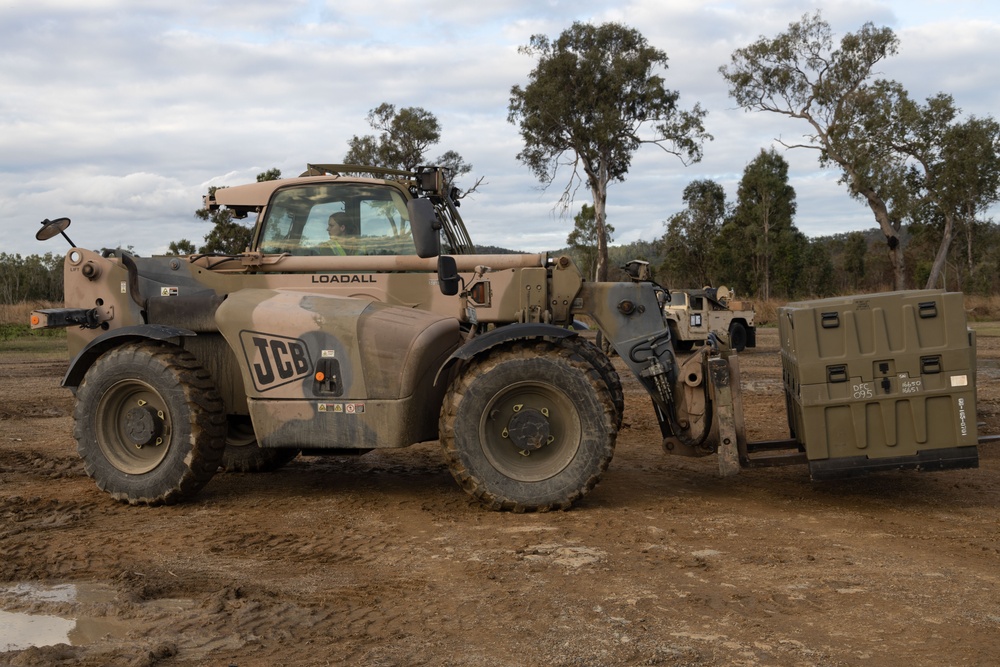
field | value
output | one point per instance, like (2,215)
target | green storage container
(880,381)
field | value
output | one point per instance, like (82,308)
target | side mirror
(448,275)
(52,227)
(425,226)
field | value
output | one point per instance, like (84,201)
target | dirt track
(383,560)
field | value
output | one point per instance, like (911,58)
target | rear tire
(149,424)
(737,336)
(244,454)
(528,427)
(599,360)
(604,345)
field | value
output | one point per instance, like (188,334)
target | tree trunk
(599,189)
(891,231)
(969,222)
(767,252)
(942,253)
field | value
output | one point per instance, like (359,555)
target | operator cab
(374,220)
(392,213)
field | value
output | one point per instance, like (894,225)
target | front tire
(529,427)
(149,424)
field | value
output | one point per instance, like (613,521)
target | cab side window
(374,217)
(385,227)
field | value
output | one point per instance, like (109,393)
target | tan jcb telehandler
(185,365)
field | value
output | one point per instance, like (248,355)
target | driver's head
(337,224)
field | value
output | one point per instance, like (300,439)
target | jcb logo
(274,360)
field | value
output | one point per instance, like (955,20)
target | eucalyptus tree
(227,236)
(800,74)
(951,168)
(765,231)
(853,259)
(583,239)
(960,178)
(404,137)
(594,97)
(691,233)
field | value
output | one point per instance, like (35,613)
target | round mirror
(51,227)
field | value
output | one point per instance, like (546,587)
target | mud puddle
(33,614)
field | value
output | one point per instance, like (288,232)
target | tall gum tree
(594,97)
(691,234)
(971,171)
(404,137)
(764,213)
(801,75)
(950,168)
(583,239)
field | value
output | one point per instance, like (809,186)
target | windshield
(337,219)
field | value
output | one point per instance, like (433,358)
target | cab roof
(252,197)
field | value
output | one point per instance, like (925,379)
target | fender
(80,364)
(501,335)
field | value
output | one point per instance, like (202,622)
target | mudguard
(500,335)
(85,358)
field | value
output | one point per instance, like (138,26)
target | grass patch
(10,331)
(983,308)
(16,335)
(23,339)
(986,329)
(44,346)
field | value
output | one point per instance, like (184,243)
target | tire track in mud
(32,463)
(230,613)
(373,589)
(15,408)
(32,389)
(31,532)
(319,548)
(16,369)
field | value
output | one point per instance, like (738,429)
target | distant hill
(496,250)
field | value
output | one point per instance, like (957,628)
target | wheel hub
(144,426)
(529,430)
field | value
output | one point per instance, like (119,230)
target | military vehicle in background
(396,332)
(694,314)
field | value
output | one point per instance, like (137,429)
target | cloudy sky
(120,114)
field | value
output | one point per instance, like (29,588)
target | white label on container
(959,380)
(962,425)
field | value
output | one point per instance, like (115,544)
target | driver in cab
(337,228)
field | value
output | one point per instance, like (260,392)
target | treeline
(848,263)
(31,278)
(754,247)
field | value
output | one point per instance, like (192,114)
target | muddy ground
(383,560)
